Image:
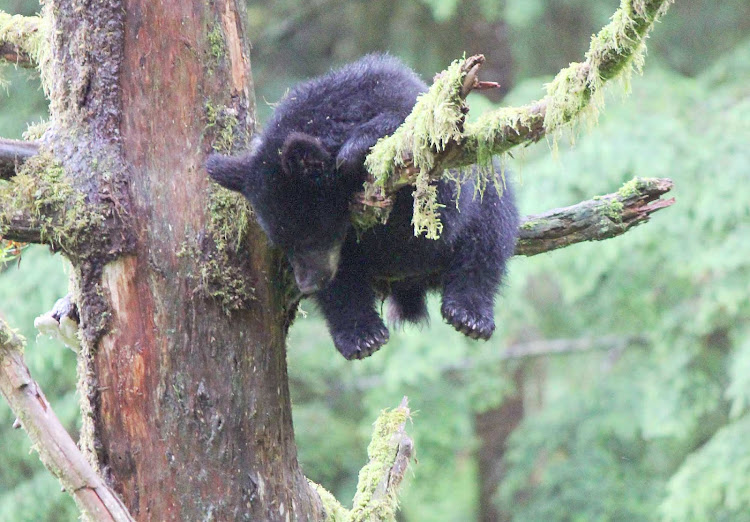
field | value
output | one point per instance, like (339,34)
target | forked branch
(56,448)
(434,137)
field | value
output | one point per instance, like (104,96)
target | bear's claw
(361,345)
(475,326)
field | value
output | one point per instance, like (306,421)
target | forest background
(617,385)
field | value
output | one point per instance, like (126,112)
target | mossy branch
(434,138)
(38,205)
(390,451)
(57,450)
(22,39)
(600,218)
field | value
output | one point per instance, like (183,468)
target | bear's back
(330,106)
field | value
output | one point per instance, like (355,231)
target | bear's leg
(348,305)
(471,282)
(408,302)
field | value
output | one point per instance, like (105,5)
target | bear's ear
(303,157)
(228,171)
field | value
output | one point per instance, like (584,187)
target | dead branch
(600,218)
(13,153)
(57,451)
(548,347)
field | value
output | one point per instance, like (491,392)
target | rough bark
(183,306)
(183,375)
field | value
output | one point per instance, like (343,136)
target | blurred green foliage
(655,432)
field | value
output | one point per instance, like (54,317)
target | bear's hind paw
(475,326)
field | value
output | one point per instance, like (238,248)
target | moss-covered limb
(419,146)
(334,511)
(600,218)
(429,144)
(390,451)
(22,39)
(14,153)
(39,205)
(615,52)
(57,450)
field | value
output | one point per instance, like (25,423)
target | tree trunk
(183,370)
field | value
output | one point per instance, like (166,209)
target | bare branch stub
(14,153)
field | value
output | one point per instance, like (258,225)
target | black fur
(300,177)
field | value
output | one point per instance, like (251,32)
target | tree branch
(21,39)
(13,153)
(389,451)
(434,137)
(600,218)
(39,205)
(57,451)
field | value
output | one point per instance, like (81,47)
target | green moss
(223,123)
(436,120)
(575,95)
(222,255)
(630,188)
(28,33)
(335,512)
(35,131)
(614,211)
(531,224)
(40,191)
(10,338)
(426,214)
(216,45)
(498,128)
(382,452)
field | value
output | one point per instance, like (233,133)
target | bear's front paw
(473,324)
(361,344)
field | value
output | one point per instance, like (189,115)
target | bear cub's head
(300,200)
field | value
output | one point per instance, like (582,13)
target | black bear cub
(300,176)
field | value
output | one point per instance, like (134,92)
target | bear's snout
(313,270)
